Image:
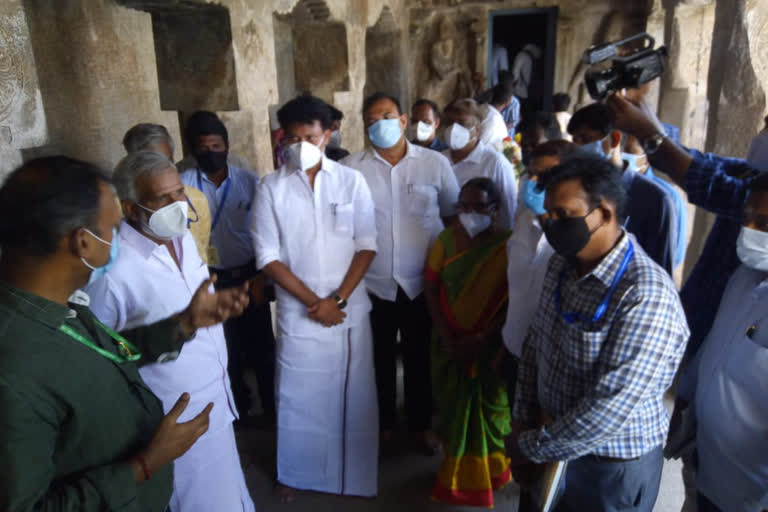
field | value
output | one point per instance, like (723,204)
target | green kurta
(71,419)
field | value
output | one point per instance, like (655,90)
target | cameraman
(717,184)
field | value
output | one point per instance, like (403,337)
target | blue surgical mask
(97,272)
(596,148)
(631,160)
(385,133)
(533,197)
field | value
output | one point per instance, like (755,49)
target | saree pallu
(471,398)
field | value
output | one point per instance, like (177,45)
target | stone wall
(22,118)
(98,76)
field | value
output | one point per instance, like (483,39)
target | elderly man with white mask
(472,158)
(155,276)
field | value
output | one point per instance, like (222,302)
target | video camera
(629,68)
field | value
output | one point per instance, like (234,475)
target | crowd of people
(521,269)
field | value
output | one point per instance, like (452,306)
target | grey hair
(145,137)
(134,166)
(465,106)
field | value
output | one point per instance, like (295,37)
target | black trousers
(251,345)
(411,319)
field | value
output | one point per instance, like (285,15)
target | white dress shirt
(528,254)
(493,130)
(727,380)
(315,233)
(144,286)
(410,198)
(232,235)
(486,162)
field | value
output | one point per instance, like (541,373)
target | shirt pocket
(422,200)
(343,218)
(747,364)
(582,347)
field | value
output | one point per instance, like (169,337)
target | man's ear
(608,211)
(130,210)
(403,121)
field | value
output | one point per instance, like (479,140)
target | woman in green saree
(466,291)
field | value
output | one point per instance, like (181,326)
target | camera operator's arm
(716,183)
(639,121)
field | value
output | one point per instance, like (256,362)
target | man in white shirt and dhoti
(314,233)
(156,274)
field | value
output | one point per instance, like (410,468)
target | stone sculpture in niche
(449,74)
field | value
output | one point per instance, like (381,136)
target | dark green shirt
(71,419)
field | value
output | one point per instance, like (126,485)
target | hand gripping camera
(624,64)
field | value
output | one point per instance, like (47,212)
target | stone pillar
(98,76)
(22,119)
(683,99)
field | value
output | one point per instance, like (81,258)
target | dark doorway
(513,30)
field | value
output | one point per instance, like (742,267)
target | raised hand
(171,440)
(207,309)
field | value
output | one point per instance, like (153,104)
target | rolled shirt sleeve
(365,218)
(448,194)
(264,229)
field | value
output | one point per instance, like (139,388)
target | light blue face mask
(631,160)
(97,272)
(596,148)
(533,197)
(385,133)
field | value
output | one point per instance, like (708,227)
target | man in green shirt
(79,430)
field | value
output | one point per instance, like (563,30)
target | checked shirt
(603,383)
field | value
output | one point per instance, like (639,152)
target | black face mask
(211,161)
(568,235)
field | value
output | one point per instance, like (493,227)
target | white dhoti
(327,413)
(209,476)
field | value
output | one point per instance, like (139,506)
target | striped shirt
(603,383)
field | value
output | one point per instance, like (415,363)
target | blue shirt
(511,115)
(681,216)
(438,145)
(603,384)
(650,217)
(720,185)
(232,235)
(728,382)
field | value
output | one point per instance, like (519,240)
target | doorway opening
(527,38)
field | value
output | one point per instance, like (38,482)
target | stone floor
(405,482)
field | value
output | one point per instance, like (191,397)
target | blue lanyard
(220,206)
(603,307)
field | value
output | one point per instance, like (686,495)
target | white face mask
(475,223)
(424,131)
(752,248)
(303,155)
(457,137)
(169,221)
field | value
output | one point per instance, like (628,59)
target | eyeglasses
(312,139)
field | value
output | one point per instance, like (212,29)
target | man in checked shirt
(602,349)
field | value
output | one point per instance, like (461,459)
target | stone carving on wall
(11,73)
(449,72)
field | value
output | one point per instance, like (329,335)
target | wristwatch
(651,144)
(341,302)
